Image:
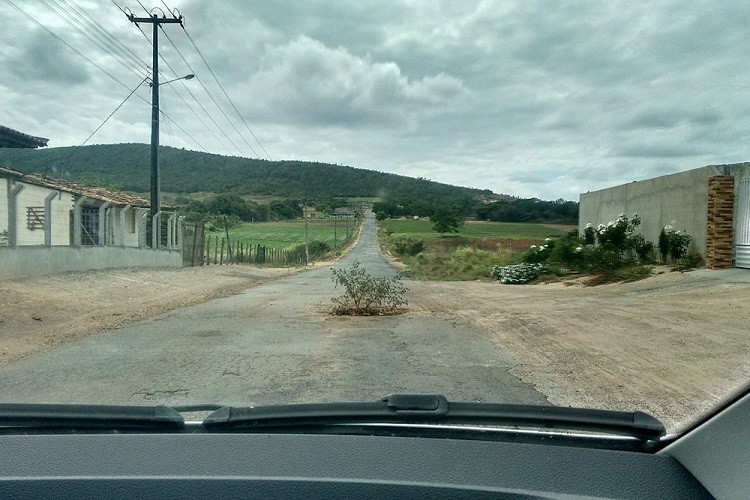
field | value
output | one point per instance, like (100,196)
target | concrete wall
(3,204)
(39,260)
(680,200)
(33,196)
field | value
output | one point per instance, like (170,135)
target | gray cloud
(529,97)
(43,59)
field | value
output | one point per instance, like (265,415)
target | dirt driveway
(672,345)
(38,313)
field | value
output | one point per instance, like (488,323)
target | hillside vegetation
(126,166)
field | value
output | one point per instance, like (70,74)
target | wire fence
(221,251)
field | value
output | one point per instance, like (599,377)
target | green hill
(126,166)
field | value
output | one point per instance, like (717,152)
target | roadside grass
(466,255)
(463,263)
(286,234)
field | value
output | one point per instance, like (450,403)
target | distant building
(343,212)
(711,204)
(10,138)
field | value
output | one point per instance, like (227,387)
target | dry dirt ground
(672,345)
(38,313)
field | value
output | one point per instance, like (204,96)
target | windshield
(262,203)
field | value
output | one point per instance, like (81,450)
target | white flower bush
(516,274)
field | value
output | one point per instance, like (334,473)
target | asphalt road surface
(269,345)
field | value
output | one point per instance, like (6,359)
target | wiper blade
(421,408)
(59,416)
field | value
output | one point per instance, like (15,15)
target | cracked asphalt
(274,344)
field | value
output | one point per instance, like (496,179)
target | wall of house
(33,196)
(36,261)
(680,200)
(3,206)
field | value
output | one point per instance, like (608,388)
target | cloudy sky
(531,98)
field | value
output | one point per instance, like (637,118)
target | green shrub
(617,234)
(568,251)
(405,245)
(673,245)
(688,262)
(589,235)
(599,260)
(538,254)
(366,295)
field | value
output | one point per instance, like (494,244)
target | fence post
(221,253)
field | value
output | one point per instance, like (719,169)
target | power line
(113,112)
(224,91)
(94,38)
(124,49)
(88,59)
(210,116)
(221,110)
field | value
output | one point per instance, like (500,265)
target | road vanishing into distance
(273,344)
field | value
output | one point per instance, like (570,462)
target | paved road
(272,344)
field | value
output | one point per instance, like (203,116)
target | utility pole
(307,237)
(156,21)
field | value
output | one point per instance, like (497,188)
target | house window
(131,222)
(89,226)
(35,217)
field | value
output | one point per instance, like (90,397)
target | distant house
(10,138)
(343,212)
(42,219)
(711,204)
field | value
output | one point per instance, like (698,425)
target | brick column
(719,234)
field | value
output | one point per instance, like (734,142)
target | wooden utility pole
(156,21)
(307,237)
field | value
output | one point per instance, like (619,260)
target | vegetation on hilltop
(127,166)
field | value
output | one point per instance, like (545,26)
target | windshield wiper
(89,417)
(420,408)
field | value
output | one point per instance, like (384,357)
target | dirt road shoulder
(38,313)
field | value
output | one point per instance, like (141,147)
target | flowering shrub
(589,235)
(673,244)
(537,254)
(617,235)
(516,274)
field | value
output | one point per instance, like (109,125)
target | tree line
(531,210)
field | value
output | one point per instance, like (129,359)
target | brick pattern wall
(719,237)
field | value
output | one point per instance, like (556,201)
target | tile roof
(94,193)
(14,139)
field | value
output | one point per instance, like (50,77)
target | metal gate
(742,228)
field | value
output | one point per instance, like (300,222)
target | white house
(69,220)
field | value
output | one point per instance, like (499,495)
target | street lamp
(186,77)
(155,181)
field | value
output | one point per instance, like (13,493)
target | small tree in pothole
(366,295)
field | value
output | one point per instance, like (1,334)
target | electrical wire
(224,91)
(78,25)
(88,59)
(113,112)
(218,106)
(122,48)
(204,87)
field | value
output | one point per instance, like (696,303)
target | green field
(285,234)
(475,229)
(468,254)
